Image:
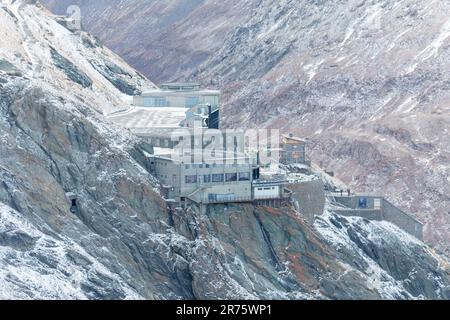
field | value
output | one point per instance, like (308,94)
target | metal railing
(249,199)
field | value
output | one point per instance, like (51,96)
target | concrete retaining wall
(310,198)
(353,201)
(387,212)
(404,221)
(375,215)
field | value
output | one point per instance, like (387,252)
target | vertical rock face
(122,242)
(367,81)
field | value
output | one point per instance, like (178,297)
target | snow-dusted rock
(367,81)
(123,242)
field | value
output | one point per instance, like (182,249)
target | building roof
(180,86)
(274,182)
(162,152)
(227,157)
(293,138)
(142,118)
(196,92)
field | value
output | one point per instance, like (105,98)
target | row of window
(214,165)
(218,178)
(155,102)
(162,143)
(189,102)
(267,188)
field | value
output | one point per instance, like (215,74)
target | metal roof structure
(293,138)
(180,86)
(141,118)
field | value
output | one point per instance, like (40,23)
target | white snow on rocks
(36,265)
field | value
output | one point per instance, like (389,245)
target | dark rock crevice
(72,72)
(266,236)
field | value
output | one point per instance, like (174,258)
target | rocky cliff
(123,243)
(365,81)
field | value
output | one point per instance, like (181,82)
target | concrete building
(267,190)
(158,114)
(205,182)
(292,150)
(178,95)
(273,193)
(205,103)
(195,161)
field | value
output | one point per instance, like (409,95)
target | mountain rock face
(163,39)
(367,82)
(123,242)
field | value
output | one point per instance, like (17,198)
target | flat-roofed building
(204,182)
(141,120)
(158,113)
(292,150)
(178,95)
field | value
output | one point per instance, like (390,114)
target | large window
(155,102)
(231,177)
(217,178)
(244,176)
(207,178)
(192,102)
(191,179)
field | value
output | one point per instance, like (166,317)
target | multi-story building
(193,159)
(208,181)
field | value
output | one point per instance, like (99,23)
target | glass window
(207,178)
(244,176)
(155,102)
(231,177)
(161,102)
(217,178)
(191,179)
(187,166)
(192,102)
